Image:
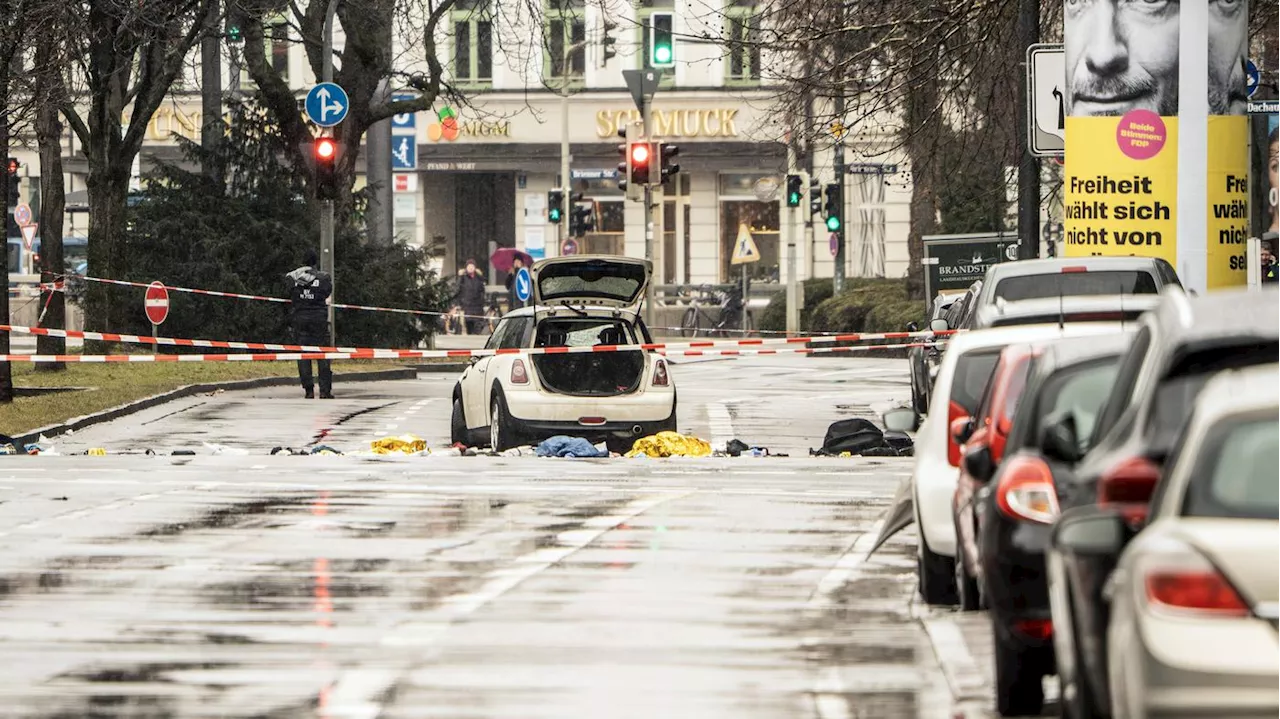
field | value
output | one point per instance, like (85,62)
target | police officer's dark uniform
(310,289)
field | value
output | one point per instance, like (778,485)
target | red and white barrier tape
(427,354)
(653,346)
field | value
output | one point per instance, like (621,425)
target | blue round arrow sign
(327,104)
(1252,78)
(524,285)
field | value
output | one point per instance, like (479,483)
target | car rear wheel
(1019,674)
(501,436)
(458,424)
(936,574)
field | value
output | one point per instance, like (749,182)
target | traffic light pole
(837,277)
(645,113)
(326,206)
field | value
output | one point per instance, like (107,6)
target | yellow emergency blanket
(669,444)
(404,444)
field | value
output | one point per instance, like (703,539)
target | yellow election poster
(1120,186)
(1228,193)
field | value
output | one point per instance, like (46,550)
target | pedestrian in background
(1268,262)
(471,291)
(309,290)
(514,302)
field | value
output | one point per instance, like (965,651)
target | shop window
(608,238)
(472,43)
(742,23)
(738,208)
(566,40)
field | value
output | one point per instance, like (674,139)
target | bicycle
(730,321)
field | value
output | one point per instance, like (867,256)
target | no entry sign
(157,303)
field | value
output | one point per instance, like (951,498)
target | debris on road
(669,444)
(861,437)
(566,446)
(404,444)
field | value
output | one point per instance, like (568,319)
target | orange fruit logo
(446,128)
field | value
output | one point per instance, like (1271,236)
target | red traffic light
(13,166)
(326,148)
(639,153)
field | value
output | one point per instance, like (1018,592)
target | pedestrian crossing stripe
(744,248)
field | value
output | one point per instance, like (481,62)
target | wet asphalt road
(260,586)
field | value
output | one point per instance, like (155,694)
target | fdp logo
(447,128)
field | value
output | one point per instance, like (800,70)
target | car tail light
(660,377)
(1041,629)
(954,412)
(1026,490)
(1074,268)
(1129,483)
(1177,578)
(519,375)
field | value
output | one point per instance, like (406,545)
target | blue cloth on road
(564,446)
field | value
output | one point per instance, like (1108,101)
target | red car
(988,429)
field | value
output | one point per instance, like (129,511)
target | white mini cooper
(507,400)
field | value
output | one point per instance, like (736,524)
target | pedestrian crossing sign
(744,248)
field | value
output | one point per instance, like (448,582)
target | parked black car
(1175,350)
(1015,510)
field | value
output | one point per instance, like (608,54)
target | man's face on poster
(1228,49)
(1121,55)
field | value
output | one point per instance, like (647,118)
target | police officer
(309,288)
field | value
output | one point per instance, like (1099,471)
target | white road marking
(721,424)
(352,695)
(957,662)
(828,695)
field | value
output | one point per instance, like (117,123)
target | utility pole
(326,206)
(562,230)
(645,115)
(837,162)
(1028,164)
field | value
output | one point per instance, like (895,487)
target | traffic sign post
(29,234)
(156,304)
(1046,99)
(523,284)
(327,104)
(22,214)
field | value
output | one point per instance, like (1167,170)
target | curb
(78,423)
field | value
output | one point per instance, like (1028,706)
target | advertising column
(1227,177)
(1120,185)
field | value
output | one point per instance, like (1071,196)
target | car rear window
(1176,394)
(582,332)
(1237,475)
(1077,392)
(1127,315)
(1075,284)
(973,372)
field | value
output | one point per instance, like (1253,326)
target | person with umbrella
(510,260)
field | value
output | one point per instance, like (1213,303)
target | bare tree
(127,54)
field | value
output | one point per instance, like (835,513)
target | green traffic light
(833,223)
(793,199)
(662,54)
(233,33)
(554,214)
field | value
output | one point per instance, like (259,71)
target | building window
(566,40)
(739,208)
(743,24)
(472,42)
(278,46)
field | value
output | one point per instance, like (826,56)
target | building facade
(480,181)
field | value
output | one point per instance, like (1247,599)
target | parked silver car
(1194,597)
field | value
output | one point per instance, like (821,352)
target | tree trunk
(53,200)
(923,121)
(108,189)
